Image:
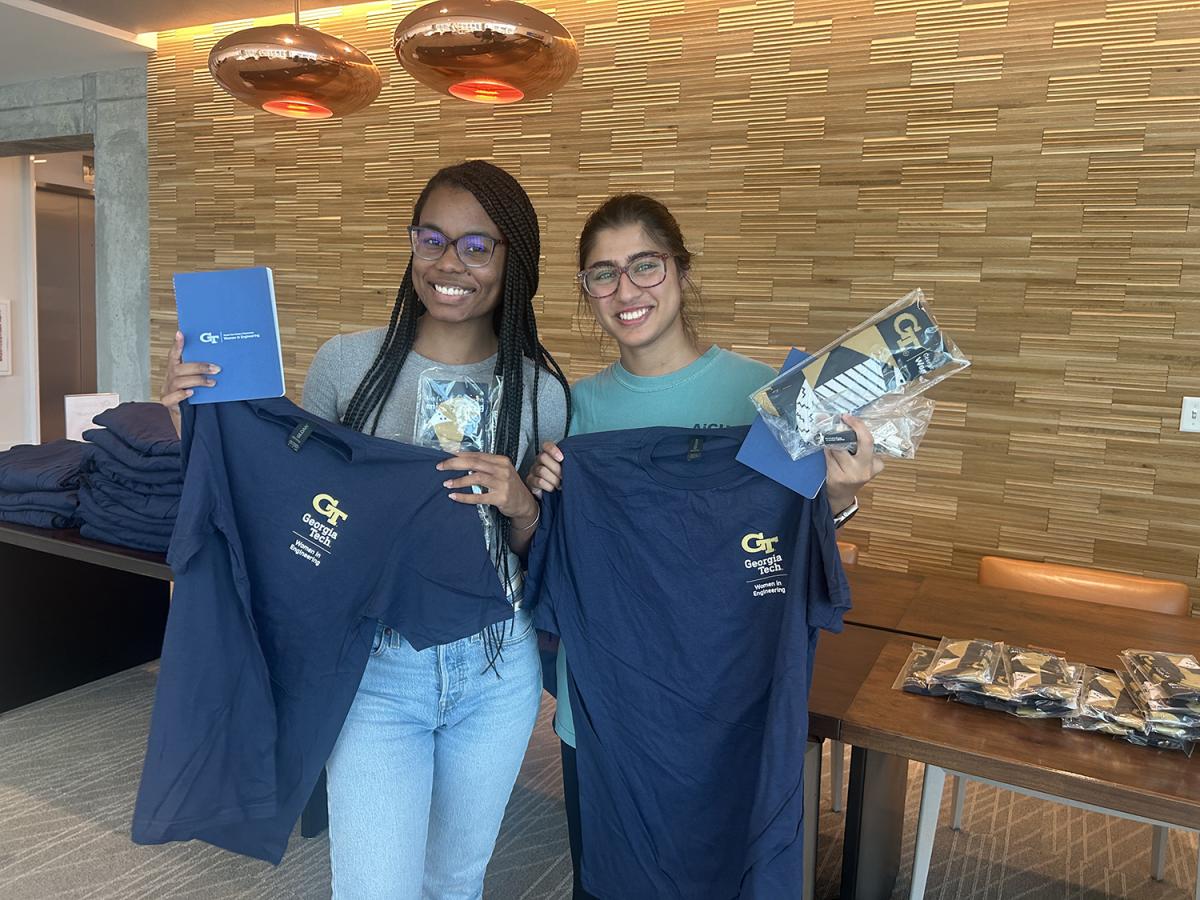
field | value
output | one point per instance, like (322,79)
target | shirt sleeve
(828,589)
(545,564)
(552,415)
(320,395)
(194,520)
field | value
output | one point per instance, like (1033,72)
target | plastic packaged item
(1104,696)
(1091,723)
(898,353)
(964,664)
(1030,684)
(1034,674)
(1160,741)
(456,414)
(914,675)
(1165,722)
(897,423)
(1166,680)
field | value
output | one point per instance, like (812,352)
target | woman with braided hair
(430,750)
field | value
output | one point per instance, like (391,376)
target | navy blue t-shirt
(143,427)
(284,559)
(688,588)
(42,467)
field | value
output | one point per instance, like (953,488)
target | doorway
(65,215)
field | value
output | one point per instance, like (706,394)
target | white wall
(18,391)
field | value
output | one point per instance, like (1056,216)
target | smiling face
(636,317)
(450,290)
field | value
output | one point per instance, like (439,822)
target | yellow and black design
(755,542)
(865,366)
(899,352)
(322,529)
(764,564)
(327,506)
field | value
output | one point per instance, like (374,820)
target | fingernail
(438,467)
(209,382)
(558,456)
(446,483)
(189,392)
(179,335)
(214,369)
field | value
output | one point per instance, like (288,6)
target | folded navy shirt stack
(133,477)
(39,484)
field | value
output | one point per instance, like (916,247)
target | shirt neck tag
(299,435)
(694,447)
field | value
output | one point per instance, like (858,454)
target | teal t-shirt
(712,392)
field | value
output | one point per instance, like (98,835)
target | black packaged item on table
(1054,702)
(995,694)
(1103,696)
(964,664)
(1034,674)
(1167,680)
(1184,726)
(1159,741)
(914,675)
(1108,706)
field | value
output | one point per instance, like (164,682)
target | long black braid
(509,207)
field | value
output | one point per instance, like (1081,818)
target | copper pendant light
(294,71)
(488,51)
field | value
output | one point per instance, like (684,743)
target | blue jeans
(425,764)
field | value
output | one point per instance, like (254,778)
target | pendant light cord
(296,6)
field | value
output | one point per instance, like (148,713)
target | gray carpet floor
(69,768)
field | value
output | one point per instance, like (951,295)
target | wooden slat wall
(1031,165)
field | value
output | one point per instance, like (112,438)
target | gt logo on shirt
(328,507)
(756,543)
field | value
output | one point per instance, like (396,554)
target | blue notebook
(762,452)
(228,318)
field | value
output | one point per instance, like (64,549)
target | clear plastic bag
(1035,674)
(897,353)
(1104,697)
(1170,723)
(456,414)
(1029,683)
(1165,680)
(964,664)
(914,676)
(896,422)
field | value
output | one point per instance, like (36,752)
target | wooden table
(74,610)
(1093,633)
(1038,755)
(843,662)
(887,727)
(881,598)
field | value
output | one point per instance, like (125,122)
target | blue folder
(762,452)
(228,317)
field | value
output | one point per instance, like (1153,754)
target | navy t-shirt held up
(294,536)
(689,589)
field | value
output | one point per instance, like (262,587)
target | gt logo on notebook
(757,543)
(328,507)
